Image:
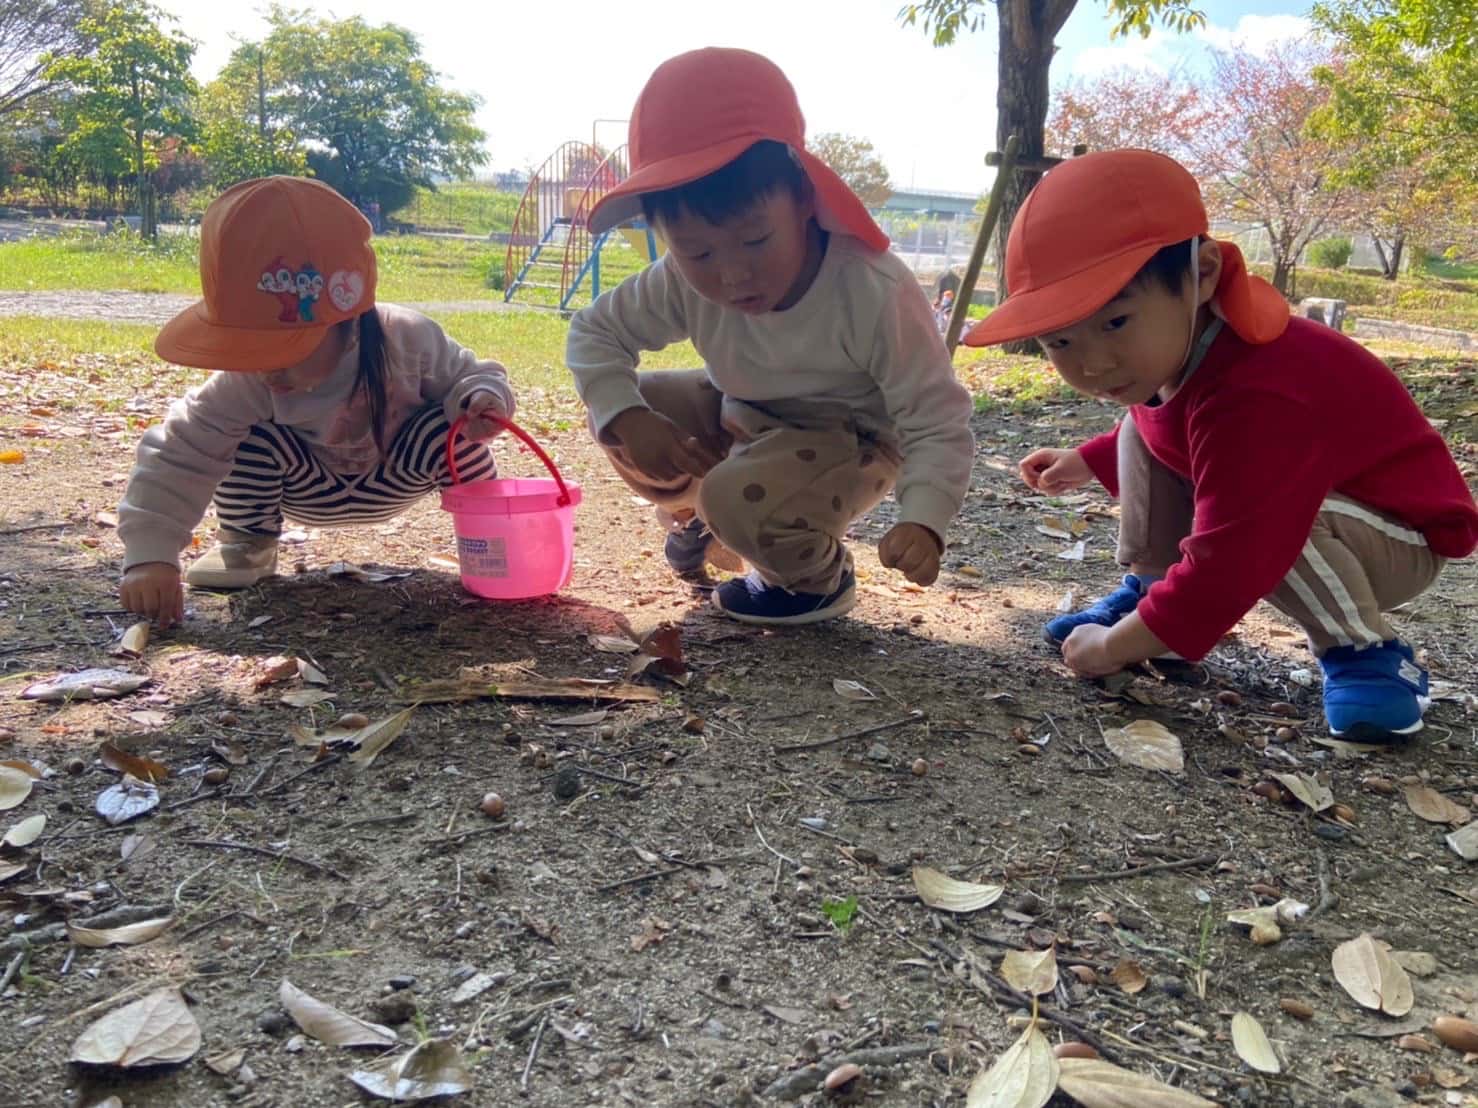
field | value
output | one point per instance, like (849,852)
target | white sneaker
(236,561)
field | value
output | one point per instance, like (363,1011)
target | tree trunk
(1282,271)
(1394,269)
(1027,29)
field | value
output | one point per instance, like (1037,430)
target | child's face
(1137,343)
(757,262)
(313,370)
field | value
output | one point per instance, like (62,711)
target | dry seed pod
(1283,708)
(352,721)
(694,725)
(1298,1009)
(1085,974)
(216,775)
(1285,734)
(1230,698)
(1419,1043)
(1074,1050)
(1381,785)
(1269,789)
(1343,812)
(1456,1032)
(843,1079)
(1030,750)
(1269,891)
(919,767)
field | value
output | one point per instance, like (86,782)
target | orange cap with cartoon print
(1087,229)
(701,110)
(281,260)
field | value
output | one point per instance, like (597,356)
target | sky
(929,112)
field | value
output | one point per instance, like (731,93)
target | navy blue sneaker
(1106,612)
(689,546)
(1374,695)
(750,600)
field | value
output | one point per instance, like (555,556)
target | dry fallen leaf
(311,673)
(378,735)
(1252,1046)
(1371,977)
(1307,790)
(227,1062)
(938,891)
(155,1030)
(1146,744)
(1427,803)
(1129,976)
(232,753)
(305,698)
(1074,553)
(274,669)
(1025,1076)
(1464,842)
(432,1069)
(583,719)
(133,641)
(851,690)
(136,765)
(15,786)
(1031,971)
(610,644)
(10,869)
(25,832)
(128,935)
(89,684)
(1094,1083)
(125,800)
(1418,963)
(1265,922)
(329,1025)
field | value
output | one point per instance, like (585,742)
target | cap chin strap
(1190,339)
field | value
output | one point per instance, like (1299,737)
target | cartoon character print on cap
(277,280)
(310,288)
(346,288)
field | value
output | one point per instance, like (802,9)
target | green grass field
(472,209)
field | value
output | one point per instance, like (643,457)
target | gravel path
(157,307)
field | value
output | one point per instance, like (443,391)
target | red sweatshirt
(1264,433)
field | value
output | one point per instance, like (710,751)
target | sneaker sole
(1378,736)
(838,607)
(225,580)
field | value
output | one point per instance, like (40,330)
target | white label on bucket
(483,557)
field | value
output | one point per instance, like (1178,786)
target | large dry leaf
(129,935)
(25,832)
(1146,744)
(1094,1083)
(610,644)
(133,641)
(155,1030)
(311,673)
(1252,1046)
(127,799)
(380,734)
(1427,803)
(1031,971)
(89,684)
(938,891)
(1129,976)
(851,690)
(1368,973)
(1306,790)
(1023,1077)
(327,1024)
(15,786)
(305,698)
(121,761)
(1464,843)
(432,1069)
(583,719)
(10,869)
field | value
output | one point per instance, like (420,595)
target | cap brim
(1052,307)
(837,206)
(190,338)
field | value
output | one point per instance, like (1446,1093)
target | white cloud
(1256,34)
(1153,53)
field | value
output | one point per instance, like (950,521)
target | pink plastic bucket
(515,537)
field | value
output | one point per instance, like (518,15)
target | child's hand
(913,549)
(1086,651)
(152,589)
(660,448)
(1055,471)
(481,405)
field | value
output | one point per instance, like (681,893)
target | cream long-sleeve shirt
(863,336)
(182,460)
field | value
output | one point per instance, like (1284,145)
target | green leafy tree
(1405,88)
(373,115)
(1026,30)
(239,137)
(131,91)
(855,162)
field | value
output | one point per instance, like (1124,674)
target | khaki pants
(794,477)
(1357,564)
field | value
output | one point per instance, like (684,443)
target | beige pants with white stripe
(1357,564)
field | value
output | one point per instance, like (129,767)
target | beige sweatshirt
(183,459)
(863,336)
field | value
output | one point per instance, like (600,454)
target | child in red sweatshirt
(1263,457)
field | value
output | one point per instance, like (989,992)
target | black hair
(1169,268)
(371,376)
(732,190)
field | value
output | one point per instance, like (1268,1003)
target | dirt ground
(665,935)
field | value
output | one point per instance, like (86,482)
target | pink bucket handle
(519,433)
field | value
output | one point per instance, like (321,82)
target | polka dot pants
(793,479)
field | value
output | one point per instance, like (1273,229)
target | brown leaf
(232,753)
(275,669)
(432,1069)
(128,935)
(134,765)
(1129,976)
(1094,1083)
(155,1030)
(610,644)
(1372,978)
(1307,790)
(653,931)
(25,832)
(329,1025)
(1025,1076)
(133,641)
(227,1062)
(305,698)
(1146,744)
(1031,971)
(378,735)
(665,642)
(1427,803)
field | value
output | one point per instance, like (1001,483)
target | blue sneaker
(750,600)
(689,546)
(1106,612)
(1374,695)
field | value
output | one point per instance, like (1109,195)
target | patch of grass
(85,260)
(842,913)
(468,208)
(1013,381)
(32,339)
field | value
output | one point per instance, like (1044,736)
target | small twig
(629,782)
(1328,898)
(638,879)
(912,717)
(528,1066)
(286,781)
(802,1081)
(402,818)
(11,970)
(257,780)
(1140,871)
(38,527)
(279,855)
(209,794)
(460,835)
(763,843)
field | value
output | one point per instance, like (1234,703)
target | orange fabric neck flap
(1251,306)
